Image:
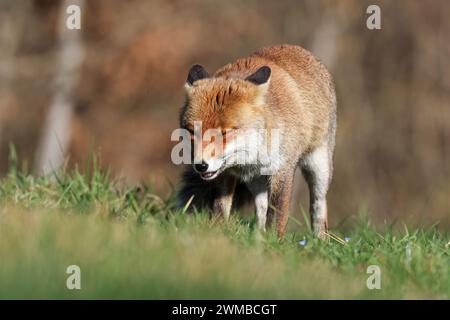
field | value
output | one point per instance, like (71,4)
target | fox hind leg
(317,170)
(280,198)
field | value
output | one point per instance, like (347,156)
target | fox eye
(229,130)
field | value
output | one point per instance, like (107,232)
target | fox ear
(197,72)
(262,75)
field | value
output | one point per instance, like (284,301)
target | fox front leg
(280,198)
(224,196)
(260,191)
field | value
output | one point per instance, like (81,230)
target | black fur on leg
(205,192)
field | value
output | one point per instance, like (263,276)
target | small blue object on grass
(303,242)
(347,239)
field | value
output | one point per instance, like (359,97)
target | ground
(133,244)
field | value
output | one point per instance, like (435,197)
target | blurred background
(115,88)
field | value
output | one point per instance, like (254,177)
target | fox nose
(201,167)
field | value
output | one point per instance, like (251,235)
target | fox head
(223,115)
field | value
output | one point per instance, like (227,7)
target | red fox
(282,88)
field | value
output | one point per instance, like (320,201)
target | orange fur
(299,99)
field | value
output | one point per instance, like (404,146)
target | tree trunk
(56,133)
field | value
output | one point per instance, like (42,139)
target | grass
(133,244)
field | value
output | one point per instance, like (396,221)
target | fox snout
(201,167)
(208,157)
(206,171)
(208,167)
